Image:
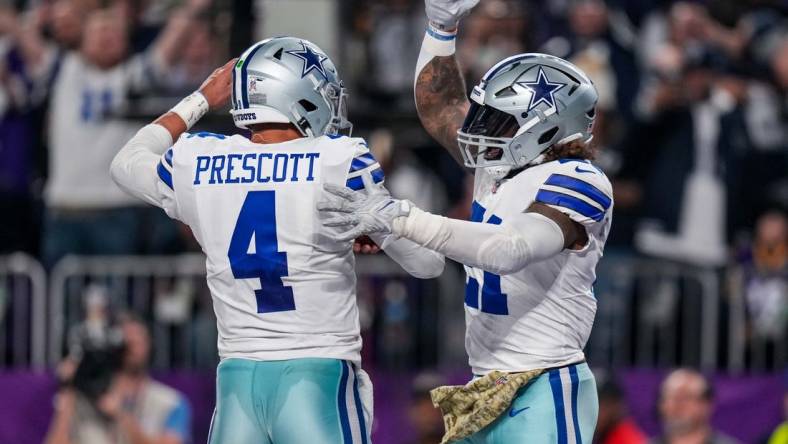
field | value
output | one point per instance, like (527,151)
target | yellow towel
(471,407)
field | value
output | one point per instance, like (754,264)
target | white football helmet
(523,106)
(289,80)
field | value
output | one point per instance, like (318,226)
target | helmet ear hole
(308,106)
(547,135)
(591,112)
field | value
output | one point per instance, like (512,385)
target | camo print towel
(471,407)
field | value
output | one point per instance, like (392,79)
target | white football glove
(363,213)
(445,14)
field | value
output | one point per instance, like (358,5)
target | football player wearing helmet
(540,217)
(283,287)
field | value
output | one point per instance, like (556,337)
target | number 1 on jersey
(257,220)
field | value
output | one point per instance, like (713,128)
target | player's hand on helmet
(361,212)
(218,87)
(446,14)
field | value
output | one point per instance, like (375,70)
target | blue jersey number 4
(257,220)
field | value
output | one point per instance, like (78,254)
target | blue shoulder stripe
(570,202)
(361,162)
(165,175)
(581,187)
(357,183)
(168,157)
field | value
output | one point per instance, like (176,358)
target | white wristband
(192,108)
(436,43)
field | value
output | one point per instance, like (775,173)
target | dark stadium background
(691,129)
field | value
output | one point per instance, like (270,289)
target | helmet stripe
(233,91)
(248,58)
(504,63)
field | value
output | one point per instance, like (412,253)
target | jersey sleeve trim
(571,203)
(168,157)
(581,187)
(357,183)
(361,162)
(165,167)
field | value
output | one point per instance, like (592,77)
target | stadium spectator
(17,175)
(602,40)
(197,58)
(686,404)
(762,277)
(86,212)
(390,46)
(690,120)
(614,426)
(135,410)
(495,30)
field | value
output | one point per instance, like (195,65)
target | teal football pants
(558,407)
(296,401)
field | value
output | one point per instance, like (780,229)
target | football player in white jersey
(283,287)
(541,214)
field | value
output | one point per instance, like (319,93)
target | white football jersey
(540,316)
(282,287)
(85,127)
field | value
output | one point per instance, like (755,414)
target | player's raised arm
(136,166)
(439,86)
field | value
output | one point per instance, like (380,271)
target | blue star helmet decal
(542,90)
(312,60)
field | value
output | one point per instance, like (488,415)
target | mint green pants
(296,401)
(558,407)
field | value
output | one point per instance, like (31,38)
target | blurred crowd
(691,119)
(691,123)
(692,128)
(74,73)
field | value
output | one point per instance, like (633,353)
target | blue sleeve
(179,420)
(363,162)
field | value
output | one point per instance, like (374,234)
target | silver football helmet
(289,80)
(523,106)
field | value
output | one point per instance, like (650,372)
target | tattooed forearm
(441,101)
